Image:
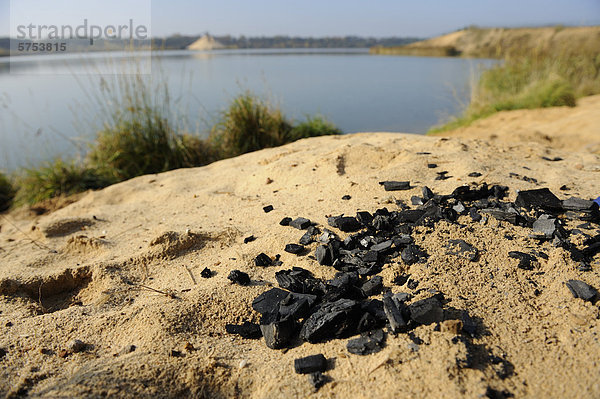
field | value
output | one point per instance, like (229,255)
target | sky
(377,18)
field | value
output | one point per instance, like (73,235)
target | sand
(78,272)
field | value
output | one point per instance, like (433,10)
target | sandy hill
(206,42)
(89,272)
(498,42)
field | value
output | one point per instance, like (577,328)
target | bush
(56,178)
(249,124)
(313,127)
(7,193)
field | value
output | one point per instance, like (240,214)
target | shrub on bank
(7,192)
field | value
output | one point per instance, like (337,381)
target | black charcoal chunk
(295,306)
(541,199)
(285,221)
(372,286)
(318,379)
(426,311)
(427,193)
(401,279)
(306,239)
(459,208)
(277,333)
(526,261)
(402,239)
(544,227)
(300,223)
(346,197)
(263,260)
(332,320)
(268,208)
(510,216)
(578,204)
(368,343)
(206,273)
(463,249)
(410,254)
(246,330)
(432,165)
(269,300)
(475,216)
(344,223)
(474,174)
(394,313)
(416,200)
(294,249)
(310,364)
(364,217)
(249,239)
(579,289)
(382,247)
(395,185)
(239,277)
(323,255)
(554,159)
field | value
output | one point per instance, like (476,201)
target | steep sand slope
(573,129)
(161,231)
(498,42)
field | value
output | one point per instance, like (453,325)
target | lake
(45,105)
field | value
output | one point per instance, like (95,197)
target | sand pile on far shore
(84,276)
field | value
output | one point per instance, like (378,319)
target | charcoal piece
(318,379)
(467,193)
(306,239)
(375,308)
(364,217)
(459,208)
(249,239)
(268,208)
(382,247)
(346,197)
(507,216)
(475,216)
(300,223)
(344,223)
(401,297)
(410,215)
(426,311)
(412,284)
(285,221)
(372,286)
(371,256)
(402,239)
(416,200)
(239,277)
(394,313)
(295,306)
(381,223)
(578,204)
(368,343)
(525,260)
(367,322)
(492,393)
(323,255)
(263,260)
(310,364)
(432,165)
(294,249)
(344,279)
(297,280)
(463,249)
(277,333)
(499,192)
(350,243)
(474,174)
(544,227)
(541,199)
(336,319)
(579,289)
(432,214)
(410,254)
(427,193)
(206,273)
(327,236)
(395,185)
(269,300)
(554,159)
(564,188)
(246,330)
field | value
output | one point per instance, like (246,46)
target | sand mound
(130,285)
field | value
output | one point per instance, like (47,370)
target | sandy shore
(64,275)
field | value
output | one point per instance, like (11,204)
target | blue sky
(330,17)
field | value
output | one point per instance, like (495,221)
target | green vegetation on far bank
(140,137)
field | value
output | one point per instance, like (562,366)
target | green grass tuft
(56,178)
(313,127)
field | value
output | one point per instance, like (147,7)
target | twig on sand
(191,274)
(34,241)
(166,293)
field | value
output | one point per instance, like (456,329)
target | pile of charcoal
(314,310)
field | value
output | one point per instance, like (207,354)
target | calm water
(45,107)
